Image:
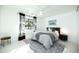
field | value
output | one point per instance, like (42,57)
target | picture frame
(52,22)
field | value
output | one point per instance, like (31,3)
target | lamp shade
(63,31)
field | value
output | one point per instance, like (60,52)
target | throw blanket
(45,38)
(52,36)
(41,33)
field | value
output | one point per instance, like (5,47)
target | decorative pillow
(45,40)
(34,35)
(57,33)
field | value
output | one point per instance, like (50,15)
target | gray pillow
(45,40)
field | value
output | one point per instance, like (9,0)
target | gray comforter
(39,47)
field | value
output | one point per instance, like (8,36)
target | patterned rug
(26,41)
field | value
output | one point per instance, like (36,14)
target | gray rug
(38,48)
(26,41)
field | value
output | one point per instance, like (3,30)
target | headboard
(54,28)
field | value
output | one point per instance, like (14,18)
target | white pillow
(57,33)
(45,40)
(34,35)
(56,37)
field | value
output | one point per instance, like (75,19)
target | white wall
(9,22)
(78,20)
(65,20)
(77,24)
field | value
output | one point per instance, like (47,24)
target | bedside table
(21,37)
(63,37)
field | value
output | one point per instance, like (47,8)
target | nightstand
(21,37)
(63,37)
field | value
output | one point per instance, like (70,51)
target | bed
(46,41)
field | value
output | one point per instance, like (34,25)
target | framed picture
(52,22)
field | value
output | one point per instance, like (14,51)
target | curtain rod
(27,15)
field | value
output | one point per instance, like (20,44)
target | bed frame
(54,28)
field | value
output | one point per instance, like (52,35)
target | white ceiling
(47,9)
(44,10)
